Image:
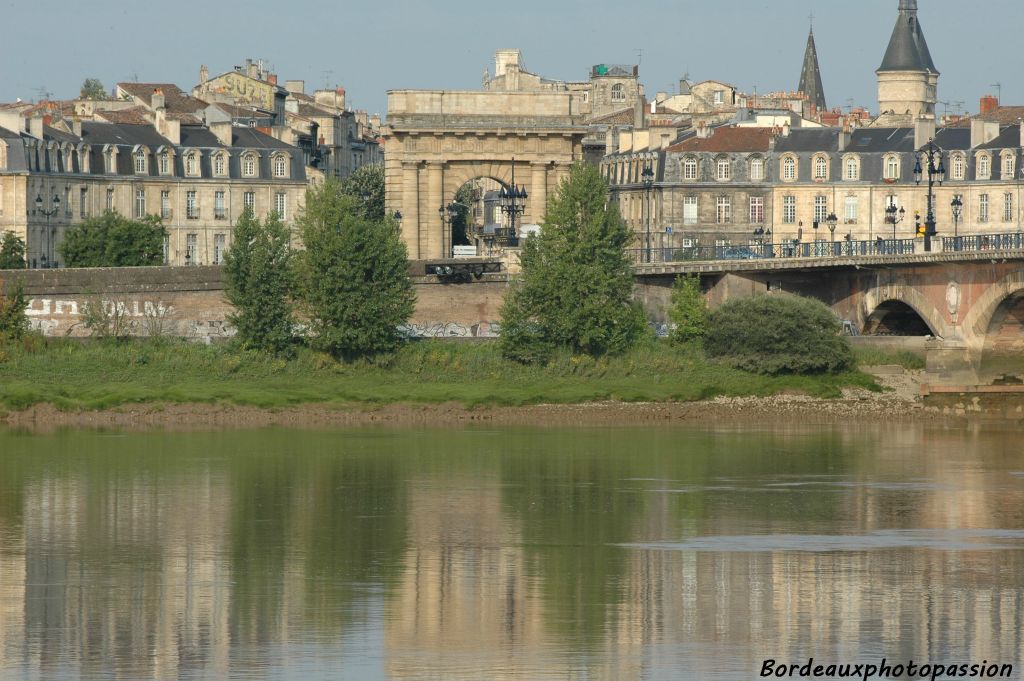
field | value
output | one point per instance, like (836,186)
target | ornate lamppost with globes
(957,205)
(831,220)
(512,200)
(47,256)
(936,172)
(894,217)
(647,175)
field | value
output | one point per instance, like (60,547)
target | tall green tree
(353,275)
(258,278)
(112,240)
(689,311)
(12,252)
(576,286)
(13,322)
(92,88)
(366,185)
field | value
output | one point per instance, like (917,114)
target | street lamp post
(831,220)
(448,214)
(47,257)
(894,217)
(512,200)
(936,173)
(648,179)
(958,209)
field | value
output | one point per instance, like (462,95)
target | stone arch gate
(437,140)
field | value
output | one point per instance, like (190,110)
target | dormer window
(958,167)
(165,163)
(280,166)
(820,168)
(192,164)
(852,169)
(249,165)
(219,165)
(789,169)
(892,167)
(1008,163)
(690,169)
(984,167)
(723,170)
(140,161)
(757,169)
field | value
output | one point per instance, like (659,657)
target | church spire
(908,50)
(810,74)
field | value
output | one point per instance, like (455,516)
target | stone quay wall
(188,302)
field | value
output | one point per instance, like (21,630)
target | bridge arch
(905,303)
(977,322)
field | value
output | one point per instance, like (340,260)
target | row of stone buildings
(196,160)
(753,178)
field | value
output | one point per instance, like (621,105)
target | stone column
(410,208)
(432,230)
(538,193)
(561,173)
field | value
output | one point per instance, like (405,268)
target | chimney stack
(157,102)
(924,130)
(988,104)
(204,74)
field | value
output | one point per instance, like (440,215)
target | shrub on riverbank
(778,334)
(103,374)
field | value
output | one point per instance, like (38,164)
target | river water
(619,553)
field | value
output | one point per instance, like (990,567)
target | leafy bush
(353,276)
(258,278)
(576,287)
(689,311)
(12,252)
(778,334)
(366,186)
(112,240)
(13,322)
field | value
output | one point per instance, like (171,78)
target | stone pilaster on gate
(431,225)
(410,208)
(538,200)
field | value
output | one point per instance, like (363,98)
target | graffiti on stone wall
(100,317)
(451,330)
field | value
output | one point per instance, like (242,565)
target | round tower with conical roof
(907,79)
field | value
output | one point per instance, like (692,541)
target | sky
(372,46)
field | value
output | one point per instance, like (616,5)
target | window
(218,249)
(820,168)
(820,208)
(723,169)
(852,169)
(1007,167)
(191,207)
(218,165)
(789,210)
(67,202)
(892,168)
(83,202)
(1007,207)
(983,208)
(756,210)
(789,169)
(191,164)
(757,169)
(719,97)
(724,210)
(280,167)
(249,201)
(140,203)
(249,165)
(140,161)
(110,199)
(165,163)
(959,167)
(689,210)
(851,210)
(218,206)
(984,167)
(281,205)
(618,93)
(165,204)
(191,250)
(690,169)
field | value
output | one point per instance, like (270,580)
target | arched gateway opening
(439,140)
(896,318)
(1002,358)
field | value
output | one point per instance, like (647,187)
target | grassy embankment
(96,375)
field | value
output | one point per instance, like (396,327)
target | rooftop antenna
(957,105)
(639,56)
(327,79)
(999,92)
(849,105)
(43,93)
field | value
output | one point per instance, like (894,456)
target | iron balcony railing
(764,251)
(983,242)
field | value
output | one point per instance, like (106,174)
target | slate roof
(808,139)
(908,50)
(810,76)
(97,134)
(198,136)
(1009,137)
(877,140)
(953,138)
(726,140)
(9,134)
(251,138)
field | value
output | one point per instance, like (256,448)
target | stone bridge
(969,305)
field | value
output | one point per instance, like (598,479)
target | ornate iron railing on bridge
(983,242)
(765,251)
